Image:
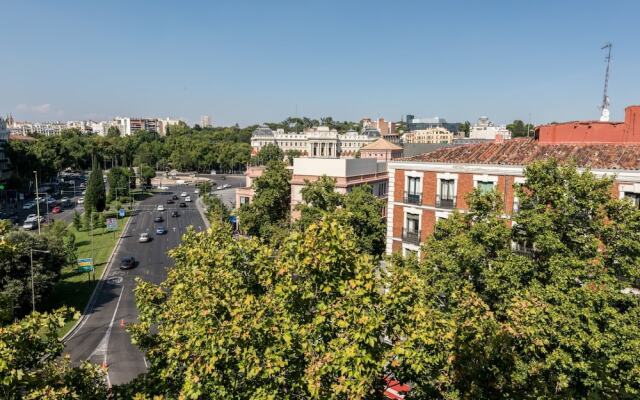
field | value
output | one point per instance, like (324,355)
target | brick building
(381,150)
(427,187)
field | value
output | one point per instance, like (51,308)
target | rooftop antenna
(604,117)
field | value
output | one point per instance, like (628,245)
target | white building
(485,129)
(429,135)
(320,142)
(205,121)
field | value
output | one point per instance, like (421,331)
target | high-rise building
(485,129)
(205,121)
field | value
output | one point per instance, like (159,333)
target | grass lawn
(74,288)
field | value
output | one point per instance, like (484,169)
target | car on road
(158,218)
(187,199)
(226,186)
(83,192)
(183,194)
(28,205)
(163,187)
(175,213)
(197,191)
(29,225)
(128,262)
(56,210)
(144,237)
(170,201)
(219,187)
(183,205)
(80,200)
(51,200)
(174,197)
(31,217)
(160,230)
(160,207)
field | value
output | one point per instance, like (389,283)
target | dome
(262,131)
(372,133)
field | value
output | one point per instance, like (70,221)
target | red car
(56,210)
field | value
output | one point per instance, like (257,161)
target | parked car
(31,217)
(158,218)
(29,225)
(175,213)
(51,200)
(183,194)
(28,205)
(128,262)
(80,200)
(183,205)
(144,237)
(56,210)
(197,191)
(160,207)
(226,185)
(187,199)
(174,197)
(219,187)
(160,230)
(170,201)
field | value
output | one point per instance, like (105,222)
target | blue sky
(254,61)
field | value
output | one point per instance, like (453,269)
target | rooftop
(523,151)
(381,144)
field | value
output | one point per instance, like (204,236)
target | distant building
(205,121)
(5,168)
(348,173)
(321,141)
(381,150)
(414,124)
(244,195)
(486,130)
(428,135)
(387,129)
(129,126)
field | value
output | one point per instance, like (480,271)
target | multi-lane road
(101,335)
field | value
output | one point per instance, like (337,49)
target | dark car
(175,213)
(158,218)
(170,201)
(128,263)
(183,205)
(174,197)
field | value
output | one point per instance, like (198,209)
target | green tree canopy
(538,310)
(118,179)
(245,320)
(95,196)
(520,129)
(268,153)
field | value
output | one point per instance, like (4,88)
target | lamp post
(33,291)
(37,200)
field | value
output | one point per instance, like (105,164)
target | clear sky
(254,61)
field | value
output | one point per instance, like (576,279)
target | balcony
(448,202)
(412,198)
(412,237)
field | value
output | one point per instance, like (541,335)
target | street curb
(94,295)
(200,208)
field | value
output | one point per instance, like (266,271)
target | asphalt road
(102,336)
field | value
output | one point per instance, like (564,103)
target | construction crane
(604,116)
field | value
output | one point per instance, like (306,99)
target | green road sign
(86,269)
(1,186)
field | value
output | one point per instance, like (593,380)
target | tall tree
(240,319)
(269,153)
(113,131)
(520,129)
(542,309)
(95,196)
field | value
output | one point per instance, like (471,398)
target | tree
(318,198)
(147,173)
(291,154)
(240,319)
(77,221)
(15,270)
(113,131)
(87,223)
(466,128)
(118,180)
(519,129)
(32,366)
(95,196)
(268,153)
(101,221)
(549,316)
(216,209)
(269,211)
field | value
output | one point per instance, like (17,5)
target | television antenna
(604,116)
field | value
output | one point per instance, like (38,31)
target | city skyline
(255,62)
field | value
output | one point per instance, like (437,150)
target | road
(101,336)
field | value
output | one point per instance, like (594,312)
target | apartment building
(244,195)
(381,150)
(486,130)
(428,187)
(429,136)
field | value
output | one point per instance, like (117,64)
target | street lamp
(37,200)
(33,292)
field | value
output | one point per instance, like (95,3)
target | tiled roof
(22,138)
(523,151)
(381,144)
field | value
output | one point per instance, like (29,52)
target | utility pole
(605,96)
(92,259)
(37,201)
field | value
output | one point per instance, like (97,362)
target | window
(447,197)
(382,189)
(413,190)
(484,186)
(411,231)
(244,200)
(634,197)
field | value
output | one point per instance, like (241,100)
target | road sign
(1,186)
(85,264)
(121,213)
(112,224)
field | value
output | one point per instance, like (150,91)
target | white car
(31,217)
(28,206)
(160,207)
(163,187)
(197,191)
(226,185)
(183,194)
(144,237)
(187,199)
(29,225)
(219,188)
(80,200)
